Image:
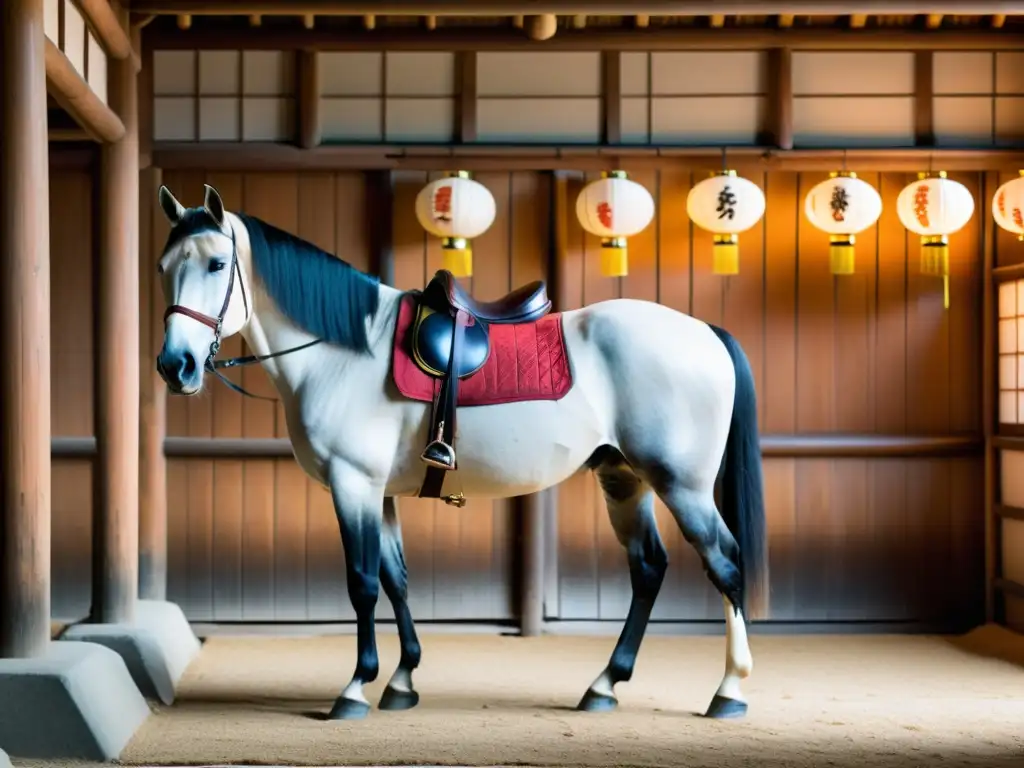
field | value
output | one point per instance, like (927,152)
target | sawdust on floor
(816,701)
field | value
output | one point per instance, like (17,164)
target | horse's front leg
(359,507)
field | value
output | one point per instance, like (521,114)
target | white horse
(661,403)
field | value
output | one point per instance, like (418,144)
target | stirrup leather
(438,453)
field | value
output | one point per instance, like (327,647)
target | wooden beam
(611,96)
(153,400)
(1009,587)
(107,26)
(309,21)
(465,88)
(579,21)
(933,20)
(717,21)
(998,20)
(68,134)
(642,21)
(572,7)
(1008,512)
(924,102)
(786,20)
(76,97)
(430,22)
(24,336)
(858,21)
(1007,273)
(258,156)
(308,76)
(779,131)
(780,446)
(592,38)
(989,385)
(184,21)
(115,574)
(380,197)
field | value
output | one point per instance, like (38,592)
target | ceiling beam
(933,21)
(858,21)
(573,7)
(998,20)
(717,21)
(593,38)
(107,26)
(786,20)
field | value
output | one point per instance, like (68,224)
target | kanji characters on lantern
(614,208)
(457,209)
(1008,204)
(726,205)
(935,207)
(842,206)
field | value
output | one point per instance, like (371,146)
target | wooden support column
(779,131)
(152,403)
(309,99)
(924,112)
(380,195)
(611,96)
(465,107)
(116,514)
(531,512)
(24,335)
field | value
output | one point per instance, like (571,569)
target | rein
(216,323)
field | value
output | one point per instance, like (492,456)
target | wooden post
(153,405)
(611,96)
(924,104)
(309,99)
(116,515)
(779,131)
(531,510)
(465,105)
(24,335)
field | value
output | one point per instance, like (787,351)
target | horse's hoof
(596,702)
(348,709)
(722,708)
(394,700)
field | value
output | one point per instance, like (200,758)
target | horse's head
(204,286)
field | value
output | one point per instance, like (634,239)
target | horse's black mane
(320,293)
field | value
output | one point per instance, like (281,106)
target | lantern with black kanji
(726,205)
(935,207)
(456,209)
(1008,204)
(614,208)
(842,206)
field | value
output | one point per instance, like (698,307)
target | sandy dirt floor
(817,701)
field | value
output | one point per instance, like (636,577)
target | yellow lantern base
(841,254)
(726,255)
(457,256)
(614,257)
(935,261)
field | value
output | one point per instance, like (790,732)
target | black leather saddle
(450,341)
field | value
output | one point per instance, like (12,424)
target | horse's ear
(172,209)
(214,205)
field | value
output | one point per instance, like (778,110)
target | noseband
(217,324)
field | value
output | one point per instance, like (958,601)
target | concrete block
(76,702)
(4,760)
(157,646)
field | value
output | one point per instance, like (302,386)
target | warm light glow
(935,207)
(1008,206)
(614,208)
(842,206)
(456,209)
(1010,345)
(725,204)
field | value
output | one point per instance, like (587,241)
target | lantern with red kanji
(1008,204)
(456,209)
(614,207)
(725,204)
(935,207)
(842,206)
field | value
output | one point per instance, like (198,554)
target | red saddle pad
(527,362)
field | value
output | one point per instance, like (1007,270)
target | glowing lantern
(725,204)
(614,208)
(935,207)
(842,206)
(1007,205)
(456,209)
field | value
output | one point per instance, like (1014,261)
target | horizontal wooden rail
(589,39)
(772,446)
(572,7)
(1009,513)
(67,87)
(1009,587)
(1008,442)
(260,156)
(104,21)
(1008,273)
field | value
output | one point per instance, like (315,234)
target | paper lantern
(456,209)
(614,208)
(725,204)
(1008,204)
(842,206)
(935,207)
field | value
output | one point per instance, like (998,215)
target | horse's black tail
(743,481)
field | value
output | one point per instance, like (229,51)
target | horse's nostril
(188,364)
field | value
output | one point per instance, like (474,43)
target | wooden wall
(851,539)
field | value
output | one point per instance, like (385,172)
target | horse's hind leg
(631,509)
(399,693)
(703,526)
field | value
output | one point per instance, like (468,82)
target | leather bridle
(217,325)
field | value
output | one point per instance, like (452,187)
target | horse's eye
(216,266)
